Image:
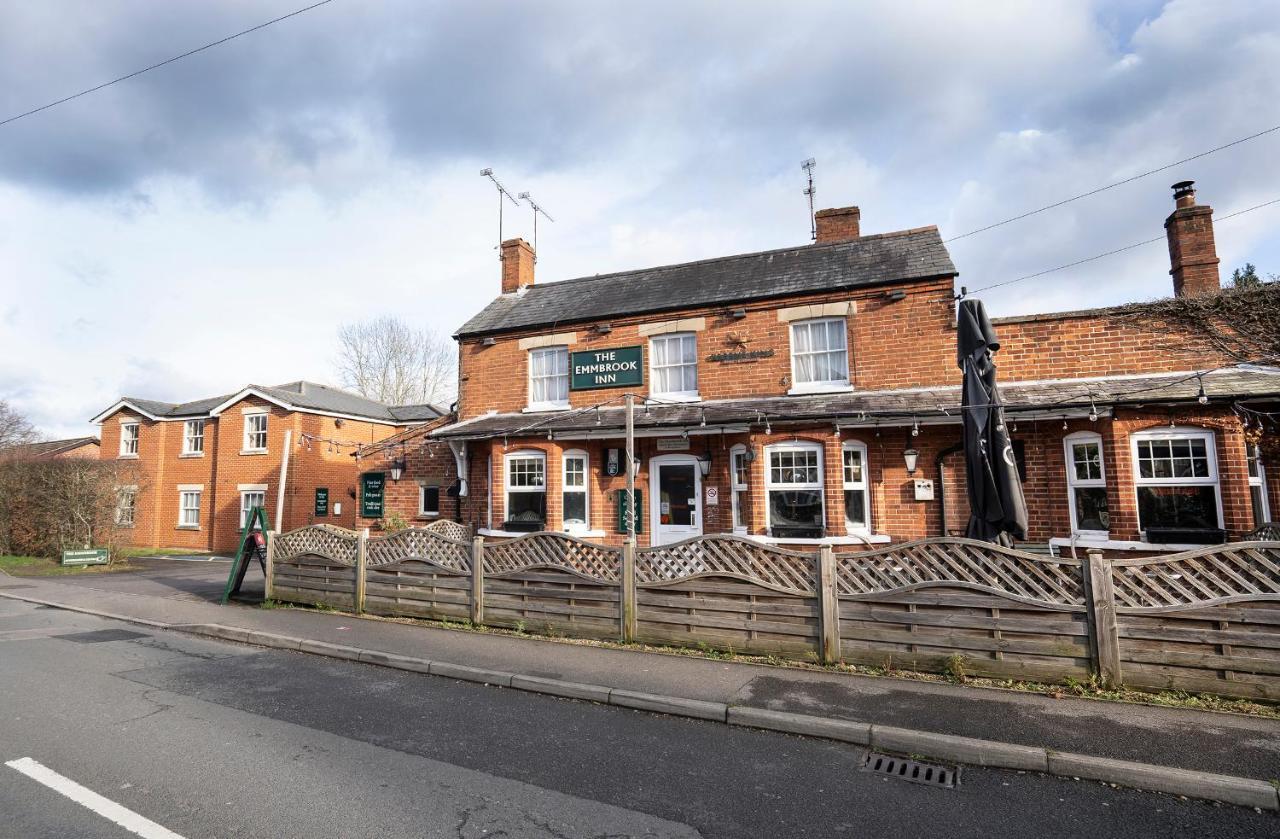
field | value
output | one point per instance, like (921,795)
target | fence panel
(420,573)
(552,583)
(729,593)
(315,565)
(1204,620)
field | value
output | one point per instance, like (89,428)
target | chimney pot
(1193,255)
(1183,194)
(517,265)
(839,224)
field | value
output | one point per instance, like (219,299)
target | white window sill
(808,390)
(873,539)
(253,451)
(192,454)
(585,534)
(543,409)
(188,527)
(429,515)
(127,457)
(1105,543)
(505,534)
(659,398)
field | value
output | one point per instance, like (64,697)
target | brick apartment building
(202,465)
(812,394)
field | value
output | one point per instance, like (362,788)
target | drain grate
(912,770)
(101,635)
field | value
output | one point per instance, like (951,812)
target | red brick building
(75,447)
(203,464)
(812,394)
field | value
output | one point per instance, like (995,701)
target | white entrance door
(676,498)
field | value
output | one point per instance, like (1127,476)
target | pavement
(206,738)
(178,594)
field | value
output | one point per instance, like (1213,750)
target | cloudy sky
(212,223)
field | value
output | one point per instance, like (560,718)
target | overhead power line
(187,54)
(1065,201)
(1113,252)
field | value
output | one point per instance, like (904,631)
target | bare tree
(386,359)
(1241,323)
(15,429)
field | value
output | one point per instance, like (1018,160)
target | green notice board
(322,501)
(622,511)
(594,369)
(92,556)
(372,485)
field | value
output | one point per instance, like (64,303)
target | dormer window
(549,378)
(673,366)
(819,355)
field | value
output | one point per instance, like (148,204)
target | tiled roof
(300,394)
(889,406)
(887,257)
(49,448)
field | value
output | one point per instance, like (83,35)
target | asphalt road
(213,739)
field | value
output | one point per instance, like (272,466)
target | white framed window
(857,499)
(189,508)
(793,488)
(526,491)
(255,432)
(1258,486)
(193,437)
(126,506)
(576,491)
(1175,477)
(549,378)
(820,354)
(428,500)
(1087,484)
(129,439)
(248,500)
(673,366)
(740,488)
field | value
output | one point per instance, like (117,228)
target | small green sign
(622,511)
(371,486)
(93,556)
(322,501)
(594,369)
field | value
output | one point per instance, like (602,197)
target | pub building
(811,395)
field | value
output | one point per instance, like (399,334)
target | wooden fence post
(627,592)
(1101,601)
(477,580)
(267,586)
(829,613)
(362,547)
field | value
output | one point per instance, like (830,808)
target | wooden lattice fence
(1206,620)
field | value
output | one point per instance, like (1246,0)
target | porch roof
(1061,397)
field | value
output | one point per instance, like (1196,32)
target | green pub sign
(622,511)
(618,367)
(371,487)
(322,501)
(90,556)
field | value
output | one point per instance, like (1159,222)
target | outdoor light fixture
(704,462)
(397,469)
(604,328)
(910,456)
(1202,397)
(738,314)
(488,342)
(895,296)
(750,454)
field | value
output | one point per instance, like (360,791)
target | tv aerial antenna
(502,193)
(807,166)
(536,210)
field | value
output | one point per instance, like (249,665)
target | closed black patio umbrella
(998,511)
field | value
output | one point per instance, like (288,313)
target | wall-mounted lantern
(704,462)
(397,469)
(910,456)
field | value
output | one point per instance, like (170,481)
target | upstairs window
(1258,487)
(193,437)
(1176,477)
(526,491)
(1087,484)
(820,354)
(857,509)
(129,439)
(549,378)
(673,366)
(793,484)
(575,496)
(255,432)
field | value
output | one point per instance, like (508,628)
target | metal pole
(631,472)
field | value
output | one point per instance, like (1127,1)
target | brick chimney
(1193,257)
(517,265)
(840,224)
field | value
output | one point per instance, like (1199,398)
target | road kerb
(470,674)
(557,687)
(331,650)
(959,749)
(696,708)
(270,639)
(846,731)
(215,630)
(1227,788)
(398,662)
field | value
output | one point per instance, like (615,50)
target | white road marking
(84,796)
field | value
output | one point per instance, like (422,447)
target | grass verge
(39,566)
(955,675)
(159,552)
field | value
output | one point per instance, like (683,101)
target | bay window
(1258,487)
(575,492)
(739,488)
(1176,477)
(793,487)
(673,366)
(1087,484)
(820,354)
(526,491)
(549,378)
(857,510)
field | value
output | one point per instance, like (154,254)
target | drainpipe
(942,483)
